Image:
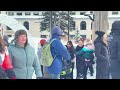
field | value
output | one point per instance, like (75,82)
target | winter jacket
(71,51)
(101,52)
(57,48)
(114,46)
(79,57)
(6,66)
(39,52)
(86,52)
(24,61)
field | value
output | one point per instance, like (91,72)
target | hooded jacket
(57,48)
(24,61)
(114,46)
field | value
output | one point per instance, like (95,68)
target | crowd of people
(18,59)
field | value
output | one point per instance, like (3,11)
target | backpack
(46,56)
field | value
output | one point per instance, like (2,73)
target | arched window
(26,24)
(83,25)
(72,25)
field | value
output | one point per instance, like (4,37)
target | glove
(39,77)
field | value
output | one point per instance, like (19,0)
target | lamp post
(51,23)
(68,24)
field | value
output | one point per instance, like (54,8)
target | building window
(36,13)
(9,35)
(72,36)
(114,12)
(72,25)
(27,13)
(8,28)
(91,12)
(19,14)
(10,13)
(91,37)
(72,13)
(82,13)
(83,36)
(26,24)
(43,36)
(83,25)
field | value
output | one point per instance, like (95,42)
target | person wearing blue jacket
(57,48)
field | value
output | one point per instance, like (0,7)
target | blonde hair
(88,40)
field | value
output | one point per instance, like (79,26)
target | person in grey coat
(114,45)
(102,55)
(23,57)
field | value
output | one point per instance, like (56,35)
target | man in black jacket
(114,46)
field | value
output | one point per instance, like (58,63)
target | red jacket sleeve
(7,63)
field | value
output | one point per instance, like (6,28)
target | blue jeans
(55,76)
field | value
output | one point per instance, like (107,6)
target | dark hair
(5,38)
(2,45)
(17,34)
(100,33)
(82,39)
(70,42)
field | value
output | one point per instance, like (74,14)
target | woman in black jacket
(68,66)
(101,52)
(71,49)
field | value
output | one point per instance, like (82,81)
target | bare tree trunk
(100,22)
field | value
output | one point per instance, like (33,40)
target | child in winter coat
(6,68)
(43,68)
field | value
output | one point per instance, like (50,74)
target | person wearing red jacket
(6,68)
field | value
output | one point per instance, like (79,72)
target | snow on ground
(88,75)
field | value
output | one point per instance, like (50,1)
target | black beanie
(116,25)
(100,33)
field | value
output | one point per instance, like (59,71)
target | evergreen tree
(59,18)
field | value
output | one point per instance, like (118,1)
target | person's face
(80,43)
(22,39)
(68,45)
(104,38)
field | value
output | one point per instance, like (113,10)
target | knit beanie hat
(42,41)
(100,33)
(57,30)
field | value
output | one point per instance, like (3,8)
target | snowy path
(88,75)
(75,73)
